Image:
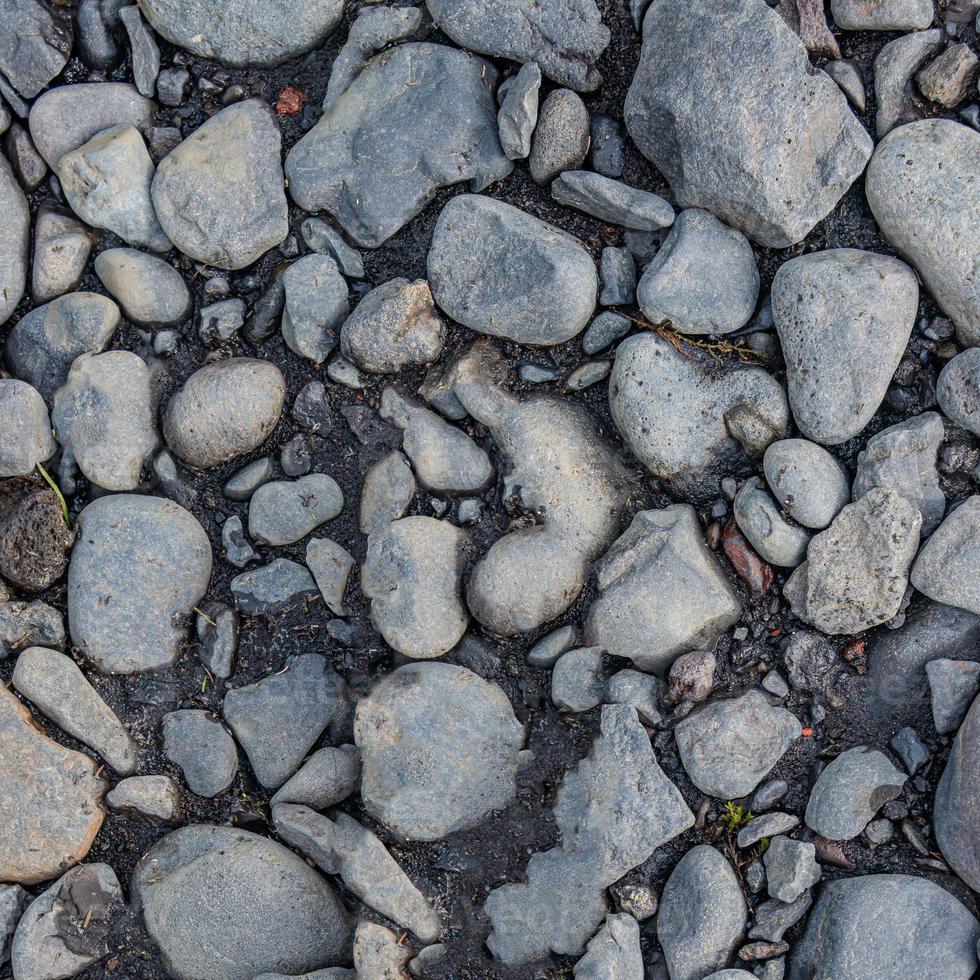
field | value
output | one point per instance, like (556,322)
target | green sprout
(734,817)
(58,493)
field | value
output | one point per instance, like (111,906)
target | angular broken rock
(327,778)
(894,66)
(612,201)
(948,567)
(614,952)
(62,246)
(35,45)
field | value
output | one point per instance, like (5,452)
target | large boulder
(948,567)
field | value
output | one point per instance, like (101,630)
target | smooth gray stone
(767,825)
(844,318)
(34,46)
(576,680)
(227,904)
(710,424)
(807,480)
(728,747)
(331,566)
(850,791)
(26,162)
(25,429)
(151,291)
(225,409)
(323,239)
(847,74)
(678,111)
(948,566)
(145,52)
(217,628)
(775,684)
(791,868)
(328,777)
(13,901)
(518,113)
(614,952)
(272,588)
(500,271)
(953,685)
(588,374)
(388,490)
(912,750)
(607,146)
(894,66)
(416,118)
(882,15)
(548,649)
(219,322)
(638,690)
(703,280)
(605,329)
(202,749)
(219,195)
(776,540)
(612,201)
(56,686)
(919,187)
(61,250)
(561,136)
(15,240)
(773,919)
(958,390)
(702,914)
(69,115)
(248,479)
(154,798)
(237,549)
(278,719)
(153,561)
(283,512)
(617,270)
(951,78)
(317,303)
(24,624)
(886,927)
(769,794)
(564,38)
(439,750)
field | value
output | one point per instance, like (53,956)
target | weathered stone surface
(953,685)
(948,567)
(34,46)
(13,901)
(894,67)
(614,952)
(139,566)
(958,390)
(25,430)
(15,240)
(316,304)
(847,74)
(150,291)
(284,511)
(697,63)
(576,680)
(439,748)
(61,250)
(24,624)
(379,953)
(34,536)
(561,136)
(950,78)
(766,825)
(273,587)
(154,798)
(205,753)
(791,868)
(331,566)
(518,113)
(416,118)
(612,201)
(882,15)
(500,271)
(807,480)
(388,489)
(775,539)
(327,778)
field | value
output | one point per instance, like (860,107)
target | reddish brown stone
(291,101)
(751,569)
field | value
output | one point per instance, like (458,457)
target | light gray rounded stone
(283,512)
(775,539)
(25,430)
(248,479)
(882,15)
(807,480)
(205,753)
(316,304)
(388,490)
(327,778)
(61,249)
(150,290)
(15,241)
(154,798)
(576,680)
(958,390)
(948,566)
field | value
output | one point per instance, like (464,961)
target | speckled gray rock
(703,280)
(25,430)
(61,250)
(35,45)
(710,423)
(316,305)
(613,953)
(439,750)
(327,778)
(24,624)
(416,118)
(766,825)
(500,271)
(894,67)
(958,390)
(379,952)
(638,690)
(919,185)
(224,410)
(549,648)
(237,549)
(219,322)
(847,74)
(144,50)
(678,111)
(882,15)
(202,749)
(138,567)
(850,791)
(413,576)
(388,489)
(953,685)
(605,329)
(807,480)
(219,195)
(702,914)
(104,415)
(950,78)
(774,538)
(58,688)
(661,592)
(156,799)
(331,566)
(323,239)
(150,291)
(283,512)
(272,588)
(518,113)
(791,868)
(948,567)
(227,904)
(617,270)
(278,719)
(393,327)
(727,747)
(886,927)
(576,680)
(612,201)
(15,240)
(561,136)
(13,901)
(844,318)
(248,479)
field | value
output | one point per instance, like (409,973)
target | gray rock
(711,422)
(345,848)
(60,691)
(323,239)
(24,624)
(767,825)
(958,390)
(248,479)
(13,901)
(857,570)
(565,39)
(25,430)
(913,751)
(769,794)
(331,566)
(611,201)
(576,680)
(26,162)
(154,798)
(327,778)
(896,926)
(703,280)
(172,86)
(844,317)
(61,250)
(810,484)
(237,549)
(954,685)
(548,649)
(775,684)
(894,67)
(791,868)
(316,305)
(882,15)
(139,566)
(607,145)
(219,322)
(776,541)
(415,119)
(227,904)
(393,327)
(948,566)
(67,927)
(702,914)
(217,635)
(638,690)
(272,588)
(561,136)
(728,747)
(500,271)
(773,919)
(35,46)
(661,592)
(378,952)
(219,195)
(605,329)
(691,676)
(413,576)
(929,214)
(144,49)
(850,791)
(439,749)
(588,374)
(225,409)
(15,241)
(951,77)
(847,74)
(150,291)
(202,749)
(518,113)
(283,512)
(617,270)
(67,116)
(388,490)
(614,952)
(678,111)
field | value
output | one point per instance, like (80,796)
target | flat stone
(416,118)
(500,271)
(953,685)
(388,490)
(678,111)
(882,15)
(205,753)
(638,690)
(617,270)
(767,825)
(775,539)
(219,322)
(61,250)
(518,113)
(439,748)
(807,481)
(614,951)
(791,868)
(156,799)
(283,512)
(958,390)
(323,239)
(272,588)
(248,479)
(588,374)
(316,305)
(25,624)
(217,627)
(950,78)
(328,777)
(25,430)
(612,201)
(35,46)
(144,50)
(331,566)
(139,566)
(576,680)
(605,329)
(948,566)
(15,241)
(26,162)
(150,290)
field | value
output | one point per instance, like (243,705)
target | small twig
(58,493)
(718,350)
(205,616)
